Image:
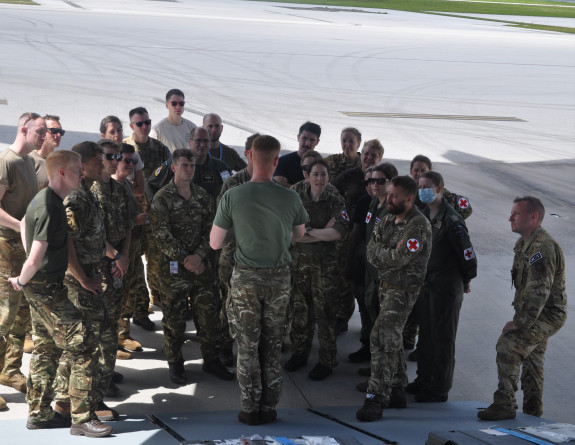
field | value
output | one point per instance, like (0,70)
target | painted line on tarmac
(432,116)
(3,102)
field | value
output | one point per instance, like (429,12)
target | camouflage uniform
(314,281)
(338,163)
(258,310)
(401,274)
(134,292)
(86,231)
(17,174)
(57,324)
(182,227)
(153,153)
(113,202)
(540,311)
(226,259)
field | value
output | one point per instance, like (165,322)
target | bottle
(118,282)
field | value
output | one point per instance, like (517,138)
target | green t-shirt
(46,221)
(262,215)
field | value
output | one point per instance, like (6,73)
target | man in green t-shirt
(57,324)
(266,218)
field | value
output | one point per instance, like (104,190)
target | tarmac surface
(500,122)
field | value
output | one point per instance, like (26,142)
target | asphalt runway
(492,106)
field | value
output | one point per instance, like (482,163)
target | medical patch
(535,258)
(469,254)
(413,245)
(344,215)
(368,217)
(462,202)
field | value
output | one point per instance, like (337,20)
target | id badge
(173,267)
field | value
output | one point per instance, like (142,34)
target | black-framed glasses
(59,131)
(31,117)
(202,141)
(146,122)
(175,103)
(130,161)
(378,181)
(303,168)
(114,156)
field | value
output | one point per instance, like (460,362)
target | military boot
(496,412)
(372,408)
(532,405)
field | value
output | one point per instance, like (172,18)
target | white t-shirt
(173,136)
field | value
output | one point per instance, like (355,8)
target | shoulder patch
(344,215)
(413,244)
(462,202)
(468,254)
(536,257)
(368,217)
(459,231)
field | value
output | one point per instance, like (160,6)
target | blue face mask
(426,195)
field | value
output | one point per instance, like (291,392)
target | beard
(396,209)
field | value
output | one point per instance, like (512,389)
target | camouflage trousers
(175,290)
(386,342)
(14,311)
(226,264)
(153,254)
(108,346)
(135,296)
(258,310)
(58,327)
(523,349)
(314,297)
(369,307)
(345,300)
(91,308)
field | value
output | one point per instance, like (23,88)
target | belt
(47,278)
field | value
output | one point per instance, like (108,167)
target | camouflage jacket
(85,225)
(328,206)
(113,203)
(460,203)
(338,163)
(153,153)
(538,275)
(403,267)
(239,178)
(181,227)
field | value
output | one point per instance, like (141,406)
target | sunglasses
(139,124)
(175,103)
(32,117)
(378,181)
(113,156)
(57,131)
(130,161)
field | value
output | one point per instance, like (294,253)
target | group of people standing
(249,250)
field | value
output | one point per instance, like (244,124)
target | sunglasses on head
(59,131)
(113,156)
(32,117)
(175,103)
(130,161)
(139,124)
(379,181)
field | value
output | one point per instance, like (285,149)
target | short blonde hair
(60,159)
(375,144)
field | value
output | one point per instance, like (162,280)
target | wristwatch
(117,256)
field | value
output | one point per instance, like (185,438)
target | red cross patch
(469,254)
(413,245)
(368,217)
(344,215)
(463,202)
